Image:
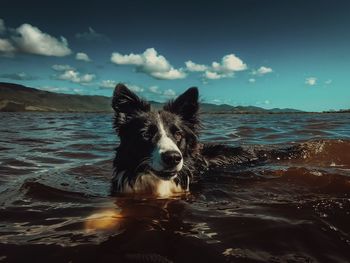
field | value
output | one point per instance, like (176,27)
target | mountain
(15,97)
(224,109)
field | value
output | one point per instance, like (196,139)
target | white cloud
(135,88)
(77,90)
(169,93)
(111,84)
(228,65)
(82,56)
(213,75)
(2,26)
(157,66)
(149,62)
(76,77)
(193,67)
(251,80)
(32,40)
(155,90)
(262,71)
(6,46)
(170,75)
(311,81)
(108,84)
(131,59)
(58,67)
(265,102)
(328,81)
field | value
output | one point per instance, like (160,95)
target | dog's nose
(171,158)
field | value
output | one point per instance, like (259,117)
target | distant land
(15,98)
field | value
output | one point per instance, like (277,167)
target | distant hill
(224,108)
(14,97)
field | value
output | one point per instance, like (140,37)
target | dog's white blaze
(151,184)
(163,145)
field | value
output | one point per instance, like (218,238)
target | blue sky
(267,53)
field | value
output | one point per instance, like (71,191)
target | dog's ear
(186,105)
(126,104)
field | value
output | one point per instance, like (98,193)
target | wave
(334,153)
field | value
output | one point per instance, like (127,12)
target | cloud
(78,91)
(251,80)
(152,92)
(169,93)
(262,71)
(311,81)
(328,81)
(91,34)
(82,56)
(228,65)
(2,26)
(110,84)
(155,90)
(131,59)
(135,88)
(18,76)
(6,46)
(157,66)
(193,67)
(149,62)
(265,102)
(213,75)
(58,67)
(32,40)
(74,76)
(169,75)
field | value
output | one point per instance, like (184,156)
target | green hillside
(14,97)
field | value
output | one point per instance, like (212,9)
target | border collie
(159,152)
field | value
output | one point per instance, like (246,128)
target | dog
(159,152)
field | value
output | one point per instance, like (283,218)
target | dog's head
(159,141)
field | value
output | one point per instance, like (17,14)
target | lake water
(55,172)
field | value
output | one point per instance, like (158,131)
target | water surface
(55,171)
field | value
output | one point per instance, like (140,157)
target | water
(55,174)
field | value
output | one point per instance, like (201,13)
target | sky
(265,53)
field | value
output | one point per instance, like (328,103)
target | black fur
(135,124)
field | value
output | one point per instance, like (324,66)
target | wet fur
(134,119)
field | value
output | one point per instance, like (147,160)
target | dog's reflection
(142,214)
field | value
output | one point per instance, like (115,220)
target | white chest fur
(151,184)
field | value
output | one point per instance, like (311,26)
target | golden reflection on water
(125,213)
(104,220)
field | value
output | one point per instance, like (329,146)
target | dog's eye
(178,135)
(151,132)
